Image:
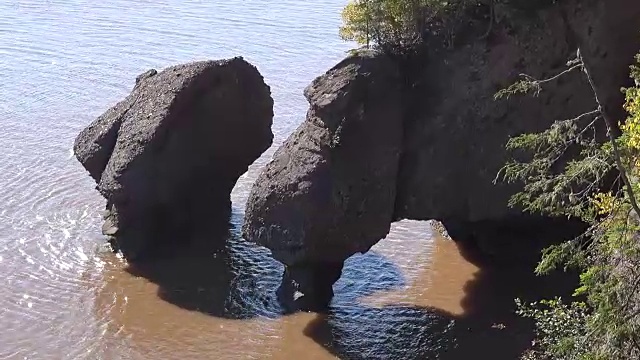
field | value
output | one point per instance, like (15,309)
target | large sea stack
(330,190)
(421,137)
(167,156)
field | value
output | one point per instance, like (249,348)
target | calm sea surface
(64,62)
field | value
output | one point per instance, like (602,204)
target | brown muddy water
(62,63)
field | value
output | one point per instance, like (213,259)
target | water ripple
(62,63)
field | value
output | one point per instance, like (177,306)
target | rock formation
(456,132)
(330,190)
(169,154)
(424,139)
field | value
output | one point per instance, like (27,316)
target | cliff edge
(422,138)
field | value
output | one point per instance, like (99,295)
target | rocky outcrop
(169,154)
(330,189)
(424,139)
(456,132)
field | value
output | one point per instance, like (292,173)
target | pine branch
(610,127)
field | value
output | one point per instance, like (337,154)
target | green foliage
(519,87)
(606,325)
(553,184)
(399,23)
(560,327)
(529,84)
(385,21)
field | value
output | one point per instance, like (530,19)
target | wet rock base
(309,287)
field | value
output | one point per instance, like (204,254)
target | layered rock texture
(330,190)
(169,154)
(456,132)
(424,139)
(333,183)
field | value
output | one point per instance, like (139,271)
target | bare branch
(529,83)
(491,19)
(574,67)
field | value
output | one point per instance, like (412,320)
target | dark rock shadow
(487,329)
(388,332)
(516,241)
(217,273)
(507,260)
(352,330)
(220,274)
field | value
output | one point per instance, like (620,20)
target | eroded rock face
(169,154)
(329,191)
(375,149)
(456,132)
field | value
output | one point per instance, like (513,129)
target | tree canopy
(386,22)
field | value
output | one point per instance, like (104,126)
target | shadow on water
(218,274)
(487,326)
(224,276)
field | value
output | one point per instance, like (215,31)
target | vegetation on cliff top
(388,21)
(398,25)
